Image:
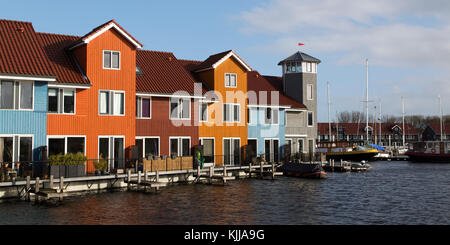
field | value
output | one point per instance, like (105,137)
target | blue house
(267,107)
(25,72)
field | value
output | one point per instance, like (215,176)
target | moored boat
(430,151)
(303,170)
(344,151)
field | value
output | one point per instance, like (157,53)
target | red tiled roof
(20,50)
(99,28)
(64,64)
(355,129)
(436,126)
(162,73)
(258,83)
(211,60)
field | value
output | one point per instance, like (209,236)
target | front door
(231,151)
(111,148)
(271,150)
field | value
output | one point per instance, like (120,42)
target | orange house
(94,114)
(223,131)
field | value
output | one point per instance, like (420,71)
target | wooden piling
(61,184)
(261,169)
(28,188)
(128,178)
(145,176)
(139,180)
(273,171)
(51,182)
(157,179)
(211,173)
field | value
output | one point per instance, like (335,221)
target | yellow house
(223,123)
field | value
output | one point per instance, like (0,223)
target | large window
(112,103)
(66,144)
(61,100)
(16,95)
(180,108)
(180,146)
(230,80)
(143,107)
(231,112)
(147,146)
(271,116)
(111,60)
(16,148)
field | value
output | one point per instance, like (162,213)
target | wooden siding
(215,126)
(28,122)
(160,125)
(87,120)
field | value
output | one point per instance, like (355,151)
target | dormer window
(111,59)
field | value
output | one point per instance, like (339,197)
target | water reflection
(391,193)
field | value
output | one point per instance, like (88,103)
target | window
(112,103)
(310,119)
(231,112)
(16,148)
(111,60)
(271,116)
(309,91)
(65,105)
(113,149)
(208,149)
(299,67)
(249,115)
(26,95)
(203,112)
(16,95)
(293,67)
(65,144)
(180,108)
(180,146)
(231,151)
(230,80)
(143,107)
(147,146)
(300,145)
(308,67)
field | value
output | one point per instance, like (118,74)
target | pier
(57,188)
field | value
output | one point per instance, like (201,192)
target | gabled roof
(299,56)
(103,28)
(215,60)
(258,83)
(355,129)
(436,127)
(64,63)
(162,73)
(21,52)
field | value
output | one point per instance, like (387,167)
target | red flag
(300,44)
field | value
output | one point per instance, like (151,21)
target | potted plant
(100,166)
(56,165)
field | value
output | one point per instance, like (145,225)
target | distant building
(391,133)
(432,131)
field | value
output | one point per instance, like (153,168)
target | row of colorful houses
(101,94)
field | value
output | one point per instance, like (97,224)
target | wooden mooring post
(157,179)
(250,169)
(261,169)
(51,182)
(36,189)
(224,174)
(138,180)
(211,173)
(28,188)
(128,178)
(61,184)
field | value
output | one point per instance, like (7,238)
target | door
(231,151)
(252,149)
(119,154)
(271,150)
(112,148)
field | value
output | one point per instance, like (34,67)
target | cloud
(391,33)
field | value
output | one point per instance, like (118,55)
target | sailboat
(344,150)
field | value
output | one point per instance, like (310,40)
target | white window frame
(14,161)
(139,114)
(230,85)
(111,59)
(110,156)
(249,115)
(231,148)
(19,87)
(309,91)
(303,146)
(179,108)
(272,154)
(231,112)
(111,105)
(200,141)
(60,92)
(201,113)
(143,143)
(65,137)
(180,144)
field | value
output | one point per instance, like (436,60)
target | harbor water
(390,193)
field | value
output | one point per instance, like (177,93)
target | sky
(407,43)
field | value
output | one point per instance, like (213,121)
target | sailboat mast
(367,100)
(403,118)
(375,124)
(440,112)
(337,127)
(329,122)
(380,121)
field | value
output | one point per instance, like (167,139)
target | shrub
(68,159)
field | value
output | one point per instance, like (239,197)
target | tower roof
(299,56)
